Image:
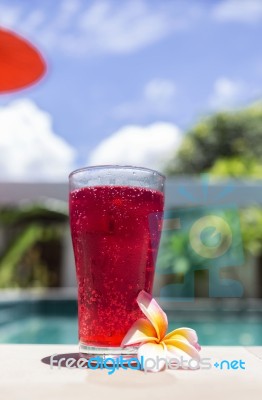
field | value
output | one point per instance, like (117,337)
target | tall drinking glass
(115,219)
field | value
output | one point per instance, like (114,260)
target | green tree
(32,253)
(232,138)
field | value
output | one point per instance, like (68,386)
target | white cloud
(125,28)
(227,93)
(34,20)
(9,15)
(149,146)
(30,150)
(102,27)
(157,99)
(246,11)
(68,10)
(159,90)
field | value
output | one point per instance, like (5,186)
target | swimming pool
(55,321)
(63,330)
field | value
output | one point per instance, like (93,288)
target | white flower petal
(185,349)
(189,334)
(154,356)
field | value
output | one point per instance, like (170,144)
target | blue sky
(114,64)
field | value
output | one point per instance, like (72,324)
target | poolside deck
(23,376)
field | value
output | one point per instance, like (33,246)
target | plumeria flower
(154,342)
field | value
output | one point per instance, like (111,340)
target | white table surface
(23,376)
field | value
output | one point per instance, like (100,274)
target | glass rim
(116,167)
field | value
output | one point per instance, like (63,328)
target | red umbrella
(21,64)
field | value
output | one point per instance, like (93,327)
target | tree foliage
(224,136)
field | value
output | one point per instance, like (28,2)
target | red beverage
(115,247)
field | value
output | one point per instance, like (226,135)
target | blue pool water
(63,330)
